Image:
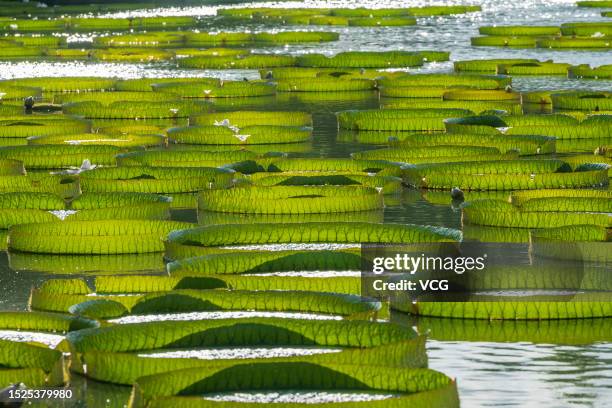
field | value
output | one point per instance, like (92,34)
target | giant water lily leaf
(291,199)
(126,368)
(567,331)
(93,237)
(437,389)
(87,264)
(237,332)
(47,298)
(217,235)
(141,284)
(502,214)
(534,307)
(43,321)
(267,261)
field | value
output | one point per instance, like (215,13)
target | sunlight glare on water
(218,315)
(302,397)
(240,353)
(51,340)
(450,33)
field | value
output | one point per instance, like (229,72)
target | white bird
(86,165)
(224,122)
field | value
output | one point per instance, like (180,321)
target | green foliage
(154,180)
(586,29)
(566,331)
(362,59)
(324,85)
(415,387)
(575,43)
(446,81)
(487,65)
(502,41)
(520,30)
(134,109)
(33,365)
(119,140)
(92,237)
(66,84)
(224,235)
(591,101)
(78,24)
(26,126)
(534,307)
(251,118)
(256,134)
(59,156)
(525,145)
(597,3)
(251,61)
(544,68)
(103,365)
(237,332)
(43,322)
(215,89)
(398,119)
(183,158)
(253,262)
(585,71)
(291,200)
(434,154)
(500,214)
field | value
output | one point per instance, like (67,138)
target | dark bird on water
(457,194)
(28,103)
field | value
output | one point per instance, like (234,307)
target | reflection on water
(523,374)
(94,394)
(515,364)
(556,363)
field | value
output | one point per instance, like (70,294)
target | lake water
(559,365)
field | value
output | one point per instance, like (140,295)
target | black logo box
(475,271)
